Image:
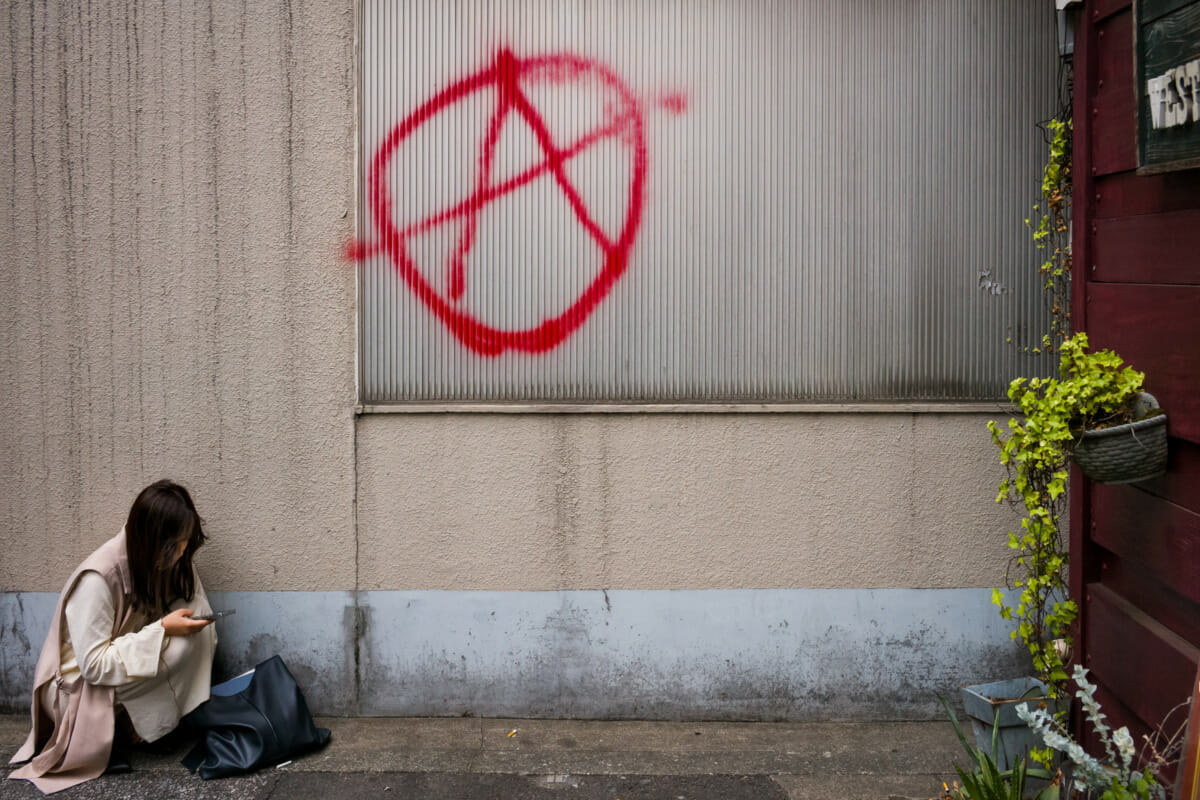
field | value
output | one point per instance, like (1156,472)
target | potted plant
(993,711)
(1094,399)
(1117,434)
(987,777)
(1125,451)
(1095,412)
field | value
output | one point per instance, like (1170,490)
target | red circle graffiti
(505,76)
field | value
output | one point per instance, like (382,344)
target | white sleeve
(104,661)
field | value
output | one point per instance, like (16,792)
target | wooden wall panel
(1148,666)
(1114,146)
(1181,484)
(1174,611)
(1101,9)
(1163,539)
(1148,248)
(1156,328)
(1127,194)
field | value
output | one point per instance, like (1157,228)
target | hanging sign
(1168,84)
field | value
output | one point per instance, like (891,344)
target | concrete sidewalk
(473,759)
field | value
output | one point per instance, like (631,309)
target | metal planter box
(982,701)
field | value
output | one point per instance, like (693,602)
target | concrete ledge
(1001,407)
(796,654)
(759,655)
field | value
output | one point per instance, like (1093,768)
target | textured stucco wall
(691,501)
(174,201)
(177,186)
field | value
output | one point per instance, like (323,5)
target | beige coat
(73,719)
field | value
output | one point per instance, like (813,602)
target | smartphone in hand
(215,614)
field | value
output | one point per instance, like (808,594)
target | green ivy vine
(1093,389)
(1035,449)
(1050,222)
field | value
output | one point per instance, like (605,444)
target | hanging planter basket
(1126,453)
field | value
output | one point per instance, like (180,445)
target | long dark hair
(162,516)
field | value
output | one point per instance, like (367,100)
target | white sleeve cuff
(140,651)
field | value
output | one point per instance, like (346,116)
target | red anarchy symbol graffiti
(505,76)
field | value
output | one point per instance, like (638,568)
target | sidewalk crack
(273,786)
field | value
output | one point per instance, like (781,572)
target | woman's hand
(178,623)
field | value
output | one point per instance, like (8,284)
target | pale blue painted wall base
(790,654)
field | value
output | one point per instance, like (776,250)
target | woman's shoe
(175,740)
(118,758)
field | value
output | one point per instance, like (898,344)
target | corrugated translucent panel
(676,200)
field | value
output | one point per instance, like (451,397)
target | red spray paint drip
(675,103)
(505,76)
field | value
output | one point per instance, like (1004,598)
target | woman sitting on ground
(122,658)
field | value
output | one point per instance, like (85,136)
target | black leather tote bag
(252,721)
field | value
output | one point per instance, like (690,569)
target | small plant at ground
(1117,778)
(983,779)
